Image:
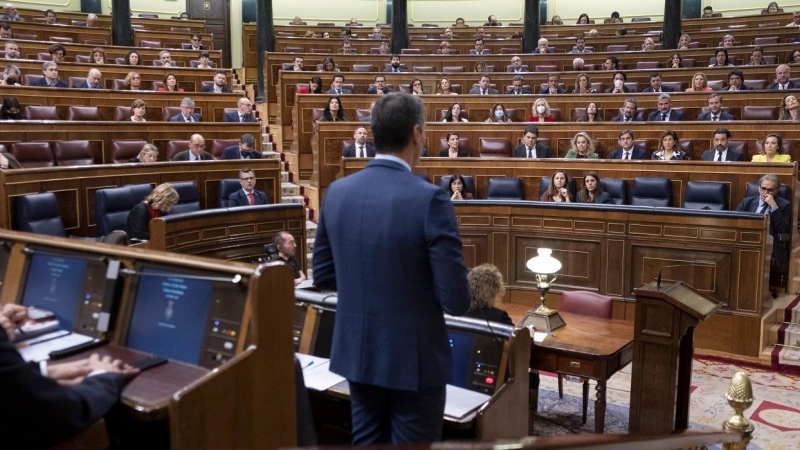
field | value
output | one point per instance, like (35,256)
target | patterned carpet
(775,412)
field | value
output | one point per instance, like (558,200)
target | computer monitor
(186,315)
(476,361)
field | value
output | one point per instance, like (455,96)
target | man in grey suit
(665,113)
(580,45)
(394,65)
(337,86)
(196,152)
(721,152)
(484,87)
(388,242)
(92,81)
(530,148)
(187,113)
(715,113)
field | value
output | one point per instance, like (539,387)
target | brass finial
(740,397)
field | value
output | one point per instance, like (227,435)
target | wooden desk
(587,347)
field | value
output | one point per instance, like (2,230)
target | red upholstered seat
(36,112)
(33,154)
(90,113)
(73,153)
(175,147)
(218,145)
(494,147)
(124,150)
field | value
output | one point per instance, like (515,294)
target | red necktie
(250,197)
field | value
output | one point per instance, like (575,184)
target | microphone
(658,280)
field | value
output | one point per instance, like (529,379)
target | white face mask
(618,83)
(540,109)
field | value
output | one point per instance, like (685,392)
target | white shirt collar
(390,157)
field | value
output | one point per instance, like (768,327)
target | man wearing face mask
(619,84)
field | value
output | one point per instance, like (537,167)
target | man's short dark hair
(737,72)
(715,94)
(245,170)
(338,75)
(517,78)
(486,75)
(248,140)
(380,76)
(6,27)
(197,36)
(479,39)
(708,8)
(48,11)
(655,75)
(626,131)
(393,120)
(624,77)
(394,55)
(722,131)
(221,71)
(532,129)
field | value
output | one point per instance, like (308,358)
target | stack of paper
(461,402)
(316,372)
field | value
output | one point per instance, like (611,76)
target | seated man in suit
(287,247)
(360,148)
(50,17)
(245,150)
(92,81)
(715,113)
(166,59)
(627,150)
(220,85)
(337,86)
(347,48)
(553,87)
(50,72)
(542,47)
(484,86)
(11,14)
(248,195)
(187,113)
(196,152)
(655,84)
(71,396)
(479,48)
(516,65)
(780,213)
(5,31)
(244,114)
(580,45)
(91,20)
(619,84)
(197,42)
(721,152)
(628,113)
(736,81)
(665,113)
(299,64)
(782,75)
(530,148)
(516,87)
(395,65)
(11,50)
(380,86)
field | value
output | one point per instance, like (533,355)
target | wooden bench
(45,32)
(30,50)
(104,20)
(170,39)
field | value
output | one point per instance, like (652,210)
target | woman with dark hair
(133,58)
(454,114)
(668,148)
(445,88)
(583,19)
(611,63)
(557,191)
(720,58)
(204,59)
(773,150)
(329,65)
(138,111)
(675,61)
(773,8)
(11,110)
(497,114)
(789,109)
(455,188)
(487,290)
(99,56)
(416,87)
(160,201)
(453,150)
(334,111)
(757,57)
(794,57)
(592,191)
(315,85)
(556,20)
(593,114)
(170,84)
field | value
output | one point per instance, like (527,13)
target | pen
(308,365)
(548,333)
(21,333)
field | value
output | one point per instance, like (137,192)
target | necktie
(627,156)
(241,118)
(361,153)
(483,92)
(663,117)
(339,91)
(714,118)
(764,209)
(719,156)
(250,198)
(530,152)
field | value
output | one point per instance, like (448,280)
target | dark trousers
(383,416)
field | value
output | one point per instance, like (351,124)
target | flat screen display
(55,283)
(462,346)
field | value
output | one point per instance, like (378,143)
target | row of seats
(95,113)
(45,56)
(114,83)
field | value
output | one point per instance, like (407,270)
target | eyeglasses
(247,104)
(248,179)
(766,189)
(135,78)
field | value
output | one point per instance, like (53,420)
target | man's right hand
(75,372)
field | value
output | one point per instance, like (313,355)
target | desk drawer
(576,366)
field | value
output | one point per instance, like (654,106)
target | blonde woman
(148,154)
(160,201)
(789,109)
(540,111)
(699,83)
(444,48)
(649,45)
(444,88)
(581,147)
(133,81)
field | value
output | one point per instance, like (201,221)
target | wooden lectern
(663,344)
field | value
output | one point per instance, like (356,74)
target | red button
(489,380)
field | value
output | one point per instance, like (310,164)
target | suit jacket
(743,87)
(366,119)
(202,47)
(779,223)
(576,51)
(663,89)
(390,69)
(184,156)
(239,198)
(674,116)
(225,89)
(234,117)
(542,151)
(604,197)
(792,85)
(350,151)
(68,409)
(722,116)
(638,153)
(179,118)
(233,152)
(394,289)
(333,91)
(732,155)
(85,85)
(490,91)
(42,82)
(374,90)
(619,119)
(444,153)
(545,90)
(523,92)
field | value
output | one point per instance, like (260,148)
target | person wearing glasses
(248,195)
(246,149)
(133,81)
(50,79)
(197,40)
(244,114)
(196,151)
(779,209)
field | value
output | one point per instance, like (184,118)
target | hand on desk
(12,317)
(74,372)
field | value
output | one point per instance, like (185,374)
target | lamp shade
(544,263)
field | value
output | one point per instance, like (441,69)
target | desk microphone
(658,281)
(130,273)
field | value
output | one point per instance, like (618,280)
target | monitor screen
(55,283)
(170,314)
(476,361)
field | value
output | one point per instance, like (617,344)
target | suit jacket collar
(389,161)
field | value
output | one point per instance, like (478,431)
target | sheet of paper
(305,284)
(539,336)
(317,374)
(461,402)
(40,351)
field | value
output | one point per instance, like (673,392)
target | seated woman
(699,83)
(556,20)
(454,114)
(789,109)
(58,53)
(11,110)
(99,56)
(675,61)
(148,154)
(133,59)
(773,8)
(416,87)
(486,290)
(480,66)
(133,81)
(611,63)
(170,84)
(757,57)
(329,65)
(205,60)
(720,58)
(649,45)
(444,88)
(444,48)
(684,42)
(557,191)
(497,114)
(582,146)
(592,191)
(583,85)
(138,111)
(794,57)
(540,111)
(773,150)
(334,111)
(315,85)
(160,201)
(453,150)
(593,114)
(456,188)
(668,148)
(583,19)
(12,76)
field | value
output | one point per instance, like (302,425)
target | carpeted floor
(775,412)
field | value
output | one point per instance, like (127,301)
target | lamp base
(548,321)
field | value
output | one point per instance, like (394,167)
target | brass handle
(574,365)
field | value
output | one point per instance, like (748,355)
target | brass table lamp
(545,267)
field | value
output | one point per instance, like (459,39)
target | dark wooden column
(672,23)
(266,42)
(532,30)
(121,23)
(399,25)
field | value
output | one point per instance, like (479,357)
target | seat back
(118,84)
(73,153)
(494,147)
(760,113)
(122,113)
(227,186)
(651,191)
(363,68)
(587,303)
(188,198)
(140,191)
(218,145)
(82,59)
(170,111)
(150,44)
(38,213)
(783,191)
(572,187)
(112,206)
(706,195)
(505,189)
(33,154)
(124,150)
(469,184)
(175,147)
(36,112)
(617,190)
(90,113)
(30,78)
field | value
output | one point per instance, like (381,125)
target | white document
(461,402)
(538,336)
(305,284)
(317,374)
(41,348)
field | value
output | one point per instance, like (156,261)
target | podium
(663,345)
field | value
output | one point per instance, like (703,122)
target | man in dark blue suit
(628,111)
(50,72)
(715,113)
(627,150)
(244,114)
(187,113)
(387,241)
(665,113)
(780,213)
(245,150)
(40,412)
(655,85)
(92,81)
(248,195)
(359,148)
(721,152)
